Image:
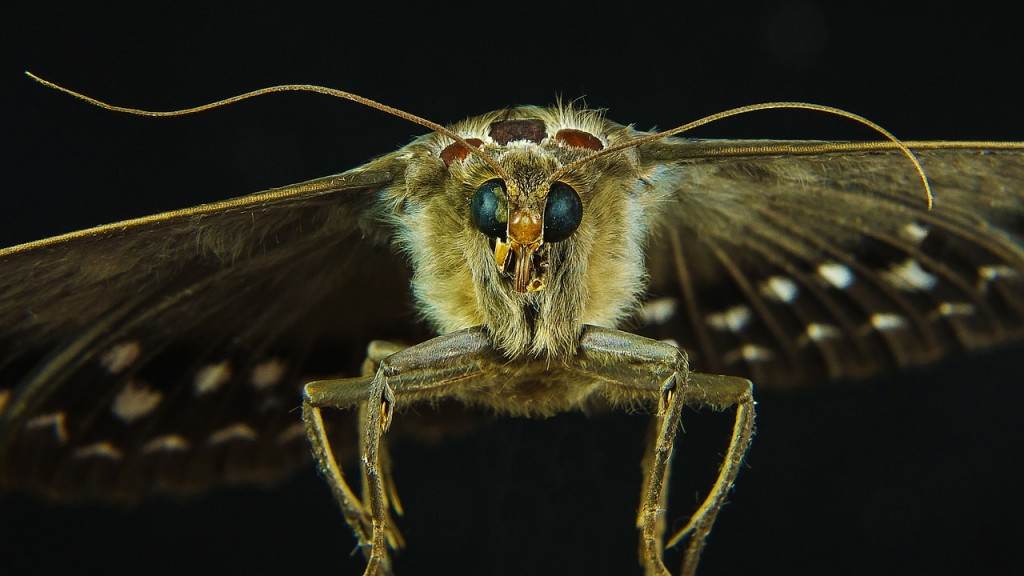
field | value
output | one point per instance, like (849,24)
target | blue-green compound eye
(489,208)
(563,212)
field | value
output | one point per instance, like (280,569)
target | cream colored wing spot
(658,311)
(952,309)
(55,420)
(988,274)
(780,289)
(909,276)
(135,401)
(211,377)
(913,233)
(733,319)
(120,356)
(751,353)
(267,374)
(238,431)
(102,449)
(166,443)
(836,274)
(291,433)
(886,321)
(819,332)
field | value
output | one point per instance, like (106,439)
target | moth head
(524,216)
(524,226)
(516,243)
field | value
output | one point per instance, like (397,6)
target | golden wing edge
(712,149)
(358,178)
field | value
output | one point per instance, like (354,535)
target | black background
(917,473)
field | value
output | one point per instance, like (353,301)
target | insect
(523,237)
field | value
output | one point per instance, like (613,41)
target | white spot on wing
(836,274)
(99,450)
(819,332)
(267,374)
(293,432)
(949,309)
(135,401)
(121,356)
(749,352)
(883,321)
(908,275)
(988,274)
(55,420)
(780,288)
(211,377)
(913,232)
(733,319)
(166,443)
(658,310)
(269,403)
(237,431)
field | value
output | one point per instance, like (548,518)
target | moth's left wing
(166,353)
(790,262)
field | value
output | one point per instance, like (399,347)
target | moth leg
(352,508)
(369,518)
(651,535)
(651,517)
(378,413)
(376,352)
(424,371)
(637,368)
(643,368)
(718,393)
(317,395)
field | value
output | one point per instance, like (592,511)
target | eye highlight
(489,208)
(563,212)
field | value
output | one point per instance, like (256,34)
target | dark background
(918,473)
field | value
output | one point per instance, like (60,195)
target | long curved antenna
(756,108)
(434,126)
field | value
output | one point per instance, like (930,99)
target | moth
(530,261)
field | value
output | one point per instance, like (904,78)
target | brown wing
(167,353)
(790,262)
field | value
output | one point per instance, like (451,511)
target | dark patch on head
(456,151)
(505,131)
(579,139)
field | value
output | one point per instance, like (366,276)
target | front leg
(426,371)
(650,369)
(624,368)
(344,393)
(718,393)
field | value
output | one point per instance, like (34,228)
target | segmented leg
(622,367)
(425,371)
(351,507)
(650,519)
(718,393)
